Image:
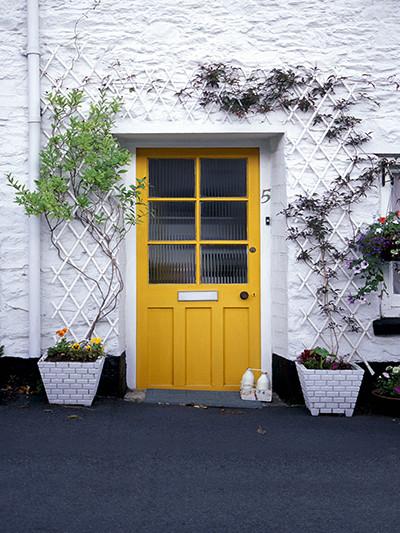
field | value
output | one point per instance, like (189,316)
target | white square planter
(71,383)
(330,391)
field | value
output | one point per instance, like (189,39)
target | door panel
(161,346)
(198,347)
(236,344)
(201,234)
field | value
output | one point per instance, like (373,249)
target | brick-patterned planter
(71,383)
(330,391)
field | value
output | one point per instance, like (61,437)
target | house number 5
(266,196)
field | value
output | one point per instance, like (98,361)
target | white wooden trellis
(149,94)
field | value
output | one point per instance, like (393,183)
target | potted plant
(329,383)
(71,370)
(386,394)
(388,384)
(80,185)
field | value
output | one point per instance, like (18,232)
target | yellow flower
(76,346)
(88,348)
(95,340)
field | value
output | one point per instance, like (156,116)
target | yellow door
(198,274)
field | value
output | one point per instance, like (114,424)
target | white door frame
(221,136)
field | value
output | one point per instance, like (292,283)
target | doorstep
(200,398)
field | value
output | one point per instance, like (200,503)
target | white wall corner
(279,247)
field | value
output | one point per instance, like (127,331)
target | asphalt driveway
(124,467)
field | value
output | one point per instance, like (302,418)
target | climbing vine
(309,216)
(80,181)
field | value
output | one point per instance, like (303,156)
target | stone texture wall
(13,157)
(154,39)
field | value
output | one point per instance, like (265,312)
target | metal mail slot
(197,296)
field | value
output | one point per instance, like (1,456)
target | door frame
(265,139)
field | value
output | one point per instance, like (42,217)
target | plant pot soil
(71,383)
(330,391)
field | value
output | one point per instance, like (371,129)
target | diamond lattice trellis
(151,94)
(335,158)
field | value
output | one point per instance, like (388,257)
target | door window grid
(203,246)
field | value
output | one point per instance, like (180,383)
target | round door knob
(252,250)
(244,295)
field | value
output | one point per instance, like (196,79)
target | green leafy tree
(80,182)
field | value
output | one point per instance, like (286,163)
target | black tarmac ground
(125,467)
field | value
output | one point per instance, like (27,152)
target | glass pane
(172,263)
(223,264)
(223,177)
(171,178)
(172,221)
(396,277)
(223,221)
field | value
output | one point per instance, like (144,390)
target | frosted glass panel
(172,263)
(171,178)
(223,177)
(223,264)
(172,221)
(223,221)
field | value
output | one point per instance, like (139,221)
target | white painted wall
(167,40)
(13,157)
(278,247)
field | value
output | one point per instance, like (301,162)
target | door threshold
(230,399)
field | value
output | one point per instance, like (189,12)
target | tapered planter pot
(71,383)
(386,405)
(330,391)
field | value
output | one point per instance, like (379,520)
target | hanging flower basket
(375,245)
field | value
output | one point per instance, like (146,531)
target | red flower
(398,213)
(382,220)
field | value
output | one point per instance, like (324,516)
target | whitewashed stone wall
(13,157)
(153,39)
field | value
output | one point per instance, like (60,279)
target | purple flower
(397,390)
